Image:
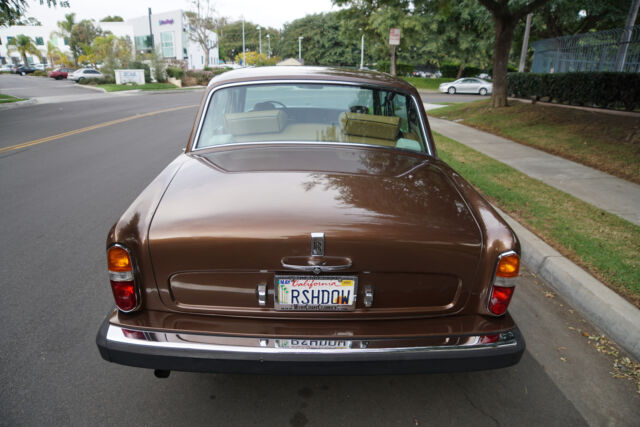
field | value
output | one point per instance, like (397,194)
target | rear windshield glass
(311,113)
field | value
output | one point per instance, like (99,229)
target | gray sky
(268,13)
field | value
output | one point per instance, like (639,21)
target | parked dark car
(60,73)
(311,228)
(24,70)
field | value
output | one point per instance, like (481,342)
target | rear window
(312,113)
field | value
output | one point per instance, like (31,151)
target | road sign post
(394,40)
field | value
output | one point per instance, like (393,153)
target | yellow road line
(92,127)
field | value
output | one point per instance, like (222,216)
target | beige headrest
(267,121)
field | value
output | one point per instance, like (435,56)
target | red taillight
(500,299)
(507,270)
(121,277)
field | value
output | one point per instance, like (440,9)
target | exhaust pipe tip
(161,373)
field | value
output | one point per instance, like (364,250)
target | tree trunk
(24,59)
(460,70)
(206,56)
(501,50)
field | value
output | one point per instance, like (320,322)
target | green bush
(175,72)
(404,69)
(202,77)
(599,89)
(94,82)
(137,65)
(39,73)
(449,70)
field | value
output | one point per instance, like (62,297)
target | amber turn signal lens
(508,266)
(118,259)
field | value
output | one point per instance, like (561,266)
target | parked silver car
(85,73)
(467,85)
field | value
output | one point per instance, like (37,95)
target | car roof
(331,74)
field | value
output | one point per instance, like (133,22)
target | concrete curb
(98,89)
(619,319)
(18,104)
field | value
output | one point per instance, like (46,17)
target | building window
(9,38)
(39,41)
(143,43)
(66,41)
(166,38)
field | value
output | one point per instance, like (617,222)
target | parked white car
(85,73)
(6,68)
(467,85)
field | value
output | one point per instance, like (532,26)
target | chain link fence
(597,51)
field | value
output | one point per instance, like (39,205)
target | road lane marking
(92,127)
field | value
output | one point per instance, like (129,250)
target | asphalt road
(59,199)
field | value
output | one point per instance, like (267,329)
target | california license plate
(313,293)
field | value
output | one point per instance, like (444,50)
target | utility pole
(260,39)
(525,44)
(300,48)
(268,45)
(151,33)
(621,57)
(362,52)
(244,56)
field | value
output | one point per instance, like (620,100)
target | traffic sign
(394,36)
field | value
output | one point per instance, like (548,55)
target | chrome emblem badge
(317,244)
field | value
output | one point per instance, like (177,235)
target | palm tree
(23,45)
(55,55)
(65,28)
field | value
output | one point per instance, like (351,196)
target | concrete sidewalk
(602,190)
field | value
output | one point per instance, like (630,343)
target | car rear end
(311,259)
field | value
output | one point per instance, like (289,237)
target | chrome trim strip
(135,282)
(319,268)
(427,142)
(268,349)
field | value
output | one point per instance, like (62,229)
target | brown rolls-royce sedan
(310,228)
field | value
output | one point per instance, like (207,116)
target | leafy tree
(230,38)
(22,45)
(114,18)
(202,24)
(11,11)
(29,21)
(323,44)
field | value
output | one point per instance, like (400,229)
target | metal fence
(597,51)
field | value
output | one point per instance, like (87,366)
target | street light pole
(244,56)
(268,46)
(362,52)
(300,48)
(260,39)
(525,44)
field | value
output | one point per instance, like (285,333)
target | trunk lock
(261,292)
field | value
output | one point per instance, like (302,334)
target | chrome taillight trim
(505,282)
(122,277)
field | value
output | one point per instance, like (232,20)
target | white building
(170,37)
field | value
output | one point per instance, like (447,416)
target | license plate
(302,344)
(312,293)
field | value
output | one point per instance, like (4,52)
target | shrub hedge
(175,72)
(93,82)
(600,89)
(202,78)
(451,70)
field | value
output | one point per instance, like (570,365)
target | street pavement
(59,199)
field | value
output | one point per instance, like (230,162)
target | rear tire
(81,79)
(452,91)
(483,91)
(58,77)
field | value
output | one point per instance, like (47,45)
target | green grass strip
(5,99)
(146,86)
(426,83)
(604,141)
(602,243)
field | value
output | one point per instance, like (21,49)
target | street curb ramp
(618,318)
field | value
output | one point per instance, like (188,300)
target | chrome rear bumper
(334,355)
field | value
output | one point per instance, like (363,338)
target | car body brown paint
(211,227)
